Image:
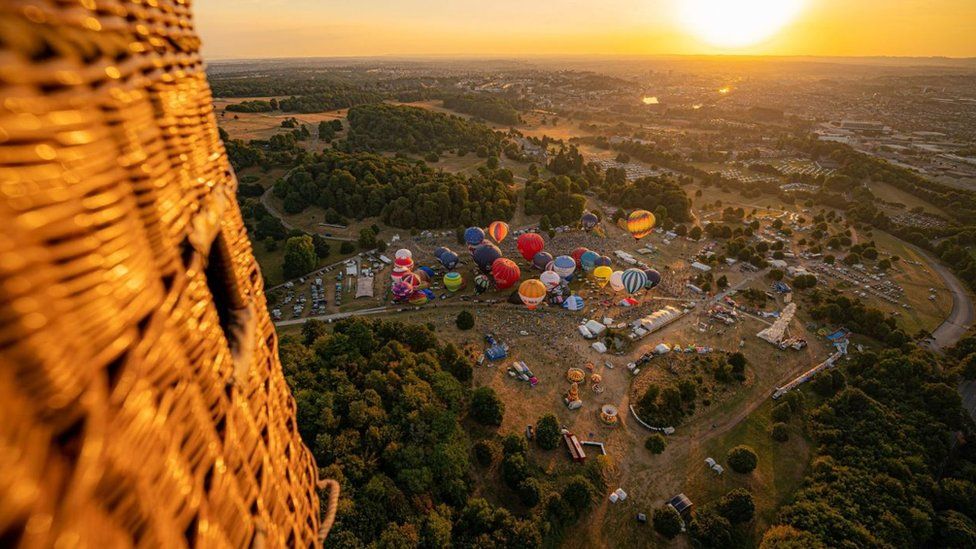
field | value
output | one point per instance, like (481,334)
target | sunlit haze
(296,28)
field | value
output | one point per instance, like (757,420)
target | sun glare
(736,23)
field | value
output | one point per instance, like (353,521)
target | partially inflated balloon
(418,298)
(578,253)
(485,255)
(453,281)
(401,290)
(633,280)
(498,230)
(589,220)
(413,279)
(427,271)
(603,261)
(617,281)
(398,273)
(481,283)
(640,223)
(438,251)
(550,279)
(449,259)
(405,262)
(532,293)
(573,303)
(474,236)
(541,259)
(529,244)
(505,272)
(588,260)
(564,266)
(653,279)
(602,275)
(403,253)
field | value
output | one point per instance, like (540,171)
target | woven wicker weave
(141,398)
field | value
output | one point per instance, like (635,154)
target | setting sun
(732,24)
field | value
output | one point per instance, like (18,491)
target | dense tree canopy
(384,127)
(488,107)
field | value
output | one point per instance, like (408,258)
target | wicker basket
(141,397)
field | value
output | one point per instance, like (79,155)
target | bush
(737,506)
(667,521)
(738,362)
(782,412)
(485,452)
(515,469)
(486,407)
(547,432)
(711,529)
(464,320)
(742,459)
(346,247)
(579,493)
(780,432)
(655,443)
(530,492)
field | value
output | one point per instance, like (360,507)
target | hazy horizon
(247,29)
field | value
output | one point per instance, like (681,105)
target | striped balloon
(573,303)
(532,292)
(564,266)
(550,279)
(633,280)
(640,223)
(505,272)
(453,281)
(617,281)
(498,230)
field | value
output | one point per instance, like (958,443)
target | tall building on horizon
(141,397)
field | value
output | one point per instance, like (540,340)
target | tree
(464,320)
(787,537)
(711,529)
(722,282)
(530,492)
(515,470)
(737,506)
(695,233)
(667,521)
(299,256)
(742,459)
(547,432)
(346,247)
(579,493)
(738,361)
(367,238)
(321,245)
(655,443)
(775,274)
(312,330)
(485,452)
(486,407)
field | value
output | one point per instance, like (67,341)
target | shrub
(780,432)
(464,320)
(514,444)
(547,432)
(655,443)
(485,452)
(711,529)
(486,407)
(742,459)
(515,469)
(737,506)
(530,492)
(782,412)
(578,492)
(667,521)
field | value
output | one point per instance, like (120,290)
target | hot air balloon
(485,255)
(505,272)
(653,279)
(498,230)
(398,273)
(640,223)
(588,260)
(602,275)
(541,259)
(481,283)
(617,281)
(532,293)
(405,262)
(427,271)
(414,279)
(578,253)
(453,281)
(564,266)
(438,251)
(401,290)
(418,298)
(530,244)
(449,259)
(633,280)
(573,303)
(589,220)
(474,236)
(604,261)
(403,253)
(550,279)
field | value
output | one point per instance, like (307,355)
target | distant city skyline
(235,29)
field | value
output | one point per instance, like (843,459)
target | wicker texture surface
(141,398)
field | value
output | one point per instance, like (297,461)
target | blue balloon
(428,270)
(440,250)
(474,236)
(588,260)
(653,279)
(541,259)
(603,261)
(449,259)
(573,303)
(564,266)
(589,220)
(485,255)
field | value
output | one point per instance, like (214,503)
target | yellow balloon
(602,275)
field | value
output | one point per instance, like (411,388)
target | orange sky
(297,28)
